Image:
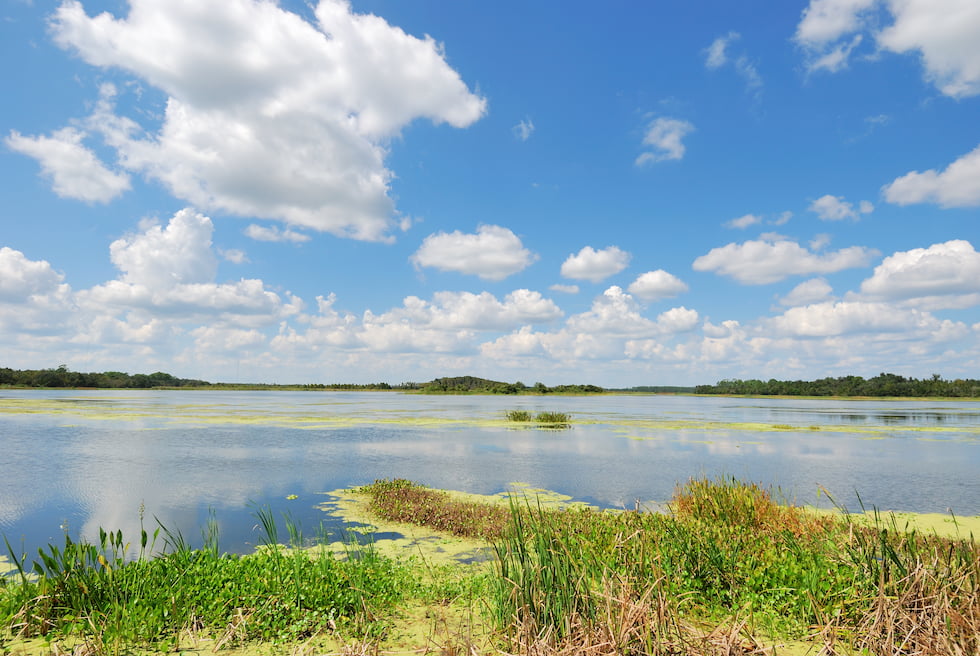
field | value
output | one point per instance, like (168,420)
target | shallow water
(73,461)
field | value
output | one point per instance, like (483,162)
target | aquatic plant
(545,418)
(96,594)
(401,500)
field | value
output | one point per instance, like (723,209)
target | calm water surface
(73,461)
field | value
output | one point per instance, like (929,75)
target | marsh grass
(401,500)
(97,594)
(727,567)
(728,570)
(548,419)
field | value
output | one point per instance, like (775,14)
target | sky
(622,193)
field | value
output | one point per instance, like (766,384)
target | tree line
(881,385)
(63,377)
(474,385)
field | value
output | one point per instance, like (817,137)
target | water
(73,461)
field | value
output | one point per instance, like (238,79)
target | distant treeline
(656,389)
(474,385)
(881,385)
(63,377)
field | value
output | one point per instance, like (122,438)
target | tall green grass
(730,556)
(113,602)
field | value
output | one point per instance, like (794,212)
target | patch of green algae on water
(320,417)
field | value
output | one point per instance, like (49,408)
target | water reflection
(179,455)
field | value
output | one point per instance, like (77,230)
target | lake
(74,461)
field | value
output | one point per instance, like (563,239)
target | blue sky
(621,194)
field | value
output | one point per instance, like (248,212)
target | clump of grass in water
(546,418)
(93,593)
(401,500)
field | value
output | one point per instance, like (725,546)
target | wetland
(76,460)
(537,550)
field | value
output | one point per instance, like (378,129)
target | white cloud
(849,318)
(657,285)
(826,21)
(452,311)
(269,115)
(34,301)
(744,221)
(678,319)
(564,289)
(614,312)
(664,136)
(170,270)
(716,55)
(943,275)
(21,278)
(819,241)
(272,233)
(956,186)
(595,266)
(493,253)
(162,257)
(943,33)
(835,208)
(524,129)
(815,290)
(765,261)
(74,170)
(234,255)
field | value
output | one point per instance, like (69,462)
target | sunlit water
(73,461)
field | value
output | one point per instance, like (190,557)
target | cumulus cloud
(956,186)
(664,137)
(452,311)
(945,35)
(815,290)
(943,275)
(765,261)
(74,170)
(848,318)
(21,278)
(942,33)
(595,266)
(270,115)
(34,299)
(493,253)
(657,285)
(170,269)
(835,208)
(272,233)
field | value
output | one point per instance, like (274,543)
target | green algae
(122,409)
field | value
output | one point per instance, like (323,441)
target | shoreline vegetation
(884,385)
(726,570)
